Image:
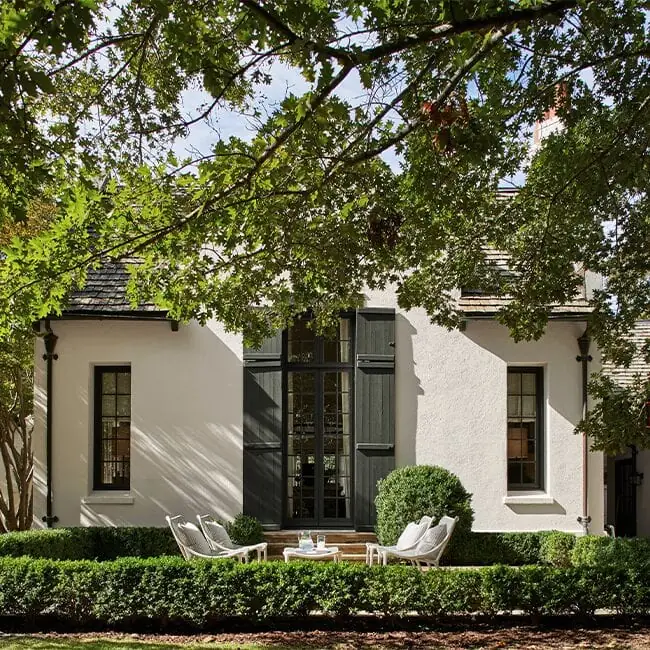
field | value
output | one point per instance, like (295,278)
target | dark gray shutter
(374,409)
(263,432)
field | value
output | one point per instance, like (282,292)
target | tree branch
(444,30)
(457,77)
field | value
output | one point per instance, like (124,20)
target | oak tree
(334,146)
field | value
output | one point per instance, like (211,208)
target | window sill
(123,499)
(539,499)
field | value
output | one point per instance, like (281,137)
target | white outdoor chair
(193,544)
(430,548)
(408,540)
(219,540)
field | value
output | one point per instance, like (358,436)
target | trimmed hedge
(618,552)
(101,543)
(104,543)
(410,492)
(485,549)
(168,591)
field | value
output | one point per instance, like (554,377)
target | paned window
(319,384)
(112,454)
(525,428)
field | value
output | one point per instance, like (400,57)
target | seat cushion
(194,537)
(217,533)
(432,538)
(412,533)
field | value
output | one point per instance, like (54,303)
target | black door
(625,496)
(319,428)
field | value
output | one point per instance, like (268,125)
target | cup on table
(320,541)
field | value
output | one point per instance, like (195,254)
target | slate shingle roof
(482,305)
(625,376)
(105,294)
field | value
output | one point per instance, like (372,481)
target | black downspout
(50,340)
(584,357)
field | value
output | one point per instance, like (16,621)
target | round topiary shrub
(408,493)
(244,529)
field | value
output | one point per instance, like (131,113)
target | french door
(319,430)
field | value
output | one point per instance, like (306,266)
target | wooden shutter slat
(374,408)
(263,432)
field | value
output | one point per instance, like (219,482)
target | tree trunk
(16,499)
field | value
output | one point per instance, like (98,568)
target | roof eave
(112,315)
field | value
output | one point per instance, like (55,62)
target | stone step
(332,537)
(346,548)
(351,543)
(346,557)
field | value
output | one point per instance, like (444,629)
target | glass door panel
(301,445)
(319,443)
(336,444)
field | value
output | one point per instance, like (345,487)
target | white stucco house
(137,416)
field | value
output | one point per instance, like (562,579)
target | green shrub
(618,552)
(57,544)
(244,529)
(408,493)
(102,543)
(484,549)
(590,550)
(168,592)
(556,548)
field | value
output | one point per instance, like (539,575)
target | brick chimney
(550,122)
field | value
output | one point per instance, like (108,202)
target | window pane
(514,383)
(345,340)
(301,342)
(528,473)
(514,406)
(108,405)
(529,383)
(517,443)
(123,405)
(124,383)
(514,473)
(337,349)
(108,382)
(529,406)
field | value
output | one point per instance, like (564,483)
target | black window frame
(540,468)
(99,371)
(318,366)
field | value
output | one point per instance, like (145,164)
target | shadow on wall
(554,508)
(557,351)
(186,433)
(408,389)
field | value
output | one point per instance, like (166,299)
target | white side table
(372,553)
(327,553)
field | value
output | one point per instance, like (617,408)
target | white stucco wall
(186,422)
(451,411)
(187,419)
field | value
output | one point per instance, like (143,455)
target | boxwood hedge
(169,591)
(104,543)
(101,543)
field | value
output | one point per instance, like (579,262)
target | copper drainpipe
(584,357)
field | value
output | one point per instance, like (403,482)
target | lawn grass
(53,643)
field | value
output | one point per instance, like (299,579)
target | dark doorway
(319,428)
(625,498)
